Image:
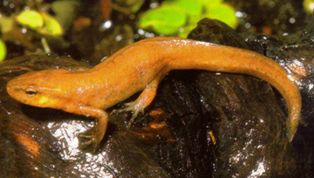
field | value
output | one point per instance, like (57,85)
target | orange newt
(140,67)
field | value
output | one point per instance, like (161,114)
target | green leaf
(224,13)
(52,26)
(210,2)
(3,50)
(31,19)
(6,24)
(181,16)
(308,6)
(190,7)
(40,22)
(164,20)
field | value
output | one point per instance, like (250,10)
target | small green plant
(40,21)
(3,50)
(179,17)
(308,6)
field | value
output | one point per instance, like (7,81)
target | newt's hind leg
(144,100)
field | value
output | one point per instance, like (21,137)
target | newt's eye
(31,92)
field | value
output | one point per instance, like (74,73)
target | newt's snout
(12,88)
(22,89)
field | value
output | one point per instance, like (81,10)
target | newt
(140,67)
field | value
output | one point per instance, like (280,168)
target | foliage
(180,16)
(40,22)
(3,50)
(31,19)
(6,24)
(164,20)
(308,6)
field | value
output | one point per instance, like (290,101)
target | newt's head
(41,89)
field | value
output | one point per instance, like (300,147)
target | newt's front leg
(92,137)
(143,101)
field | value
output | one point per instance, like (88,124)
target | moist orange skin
(140,67)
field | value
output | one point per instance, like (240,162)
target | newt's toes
(88,141)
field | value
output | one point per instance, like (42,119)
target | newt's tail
(191,54)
